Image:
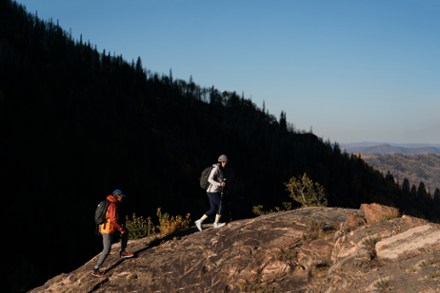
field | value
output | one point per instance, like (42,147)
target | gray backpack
(101,211)
(204,184)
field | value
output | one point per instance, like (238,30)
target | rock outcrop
(304,250)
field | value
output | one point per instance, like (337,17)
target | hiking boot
(126,254)
(218,225)
(198,224)
(97,273)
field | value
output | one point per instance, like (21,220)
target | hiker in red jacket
(110,229)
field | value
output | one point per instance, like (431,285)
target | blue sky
(350,71)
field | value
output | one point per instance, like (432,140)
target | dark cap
(118,192)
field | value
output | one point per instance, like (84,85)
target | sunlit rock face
(371,249)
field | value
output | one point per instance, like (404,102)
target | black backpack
(101,211)
(204,184)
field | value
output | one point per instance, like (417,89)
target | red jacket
(112,224)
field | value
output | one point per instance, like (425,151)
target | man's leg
(107,245)
(124,241)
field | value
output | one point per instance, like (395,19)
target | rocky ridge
(371,249)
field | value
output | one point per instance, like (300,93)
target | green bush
(302,190)
(140,227)
(306,192)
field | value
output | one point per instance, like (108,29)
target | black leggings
(215,203)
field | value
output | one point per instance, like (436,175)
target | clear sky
(350,71)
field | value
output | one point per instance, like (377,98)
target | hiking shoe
(198,224)
(218,225)
(97,273)
(126,254)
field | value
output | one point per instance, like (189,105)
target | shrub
(171,224)
(139,227)
(306,192)
(258,209)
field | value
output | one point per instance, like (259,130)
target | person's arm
(211,177)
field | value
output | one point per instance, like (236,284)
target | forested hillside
(77,123)
(421,170)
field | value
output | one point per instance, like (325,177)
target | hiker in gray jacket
(215,193)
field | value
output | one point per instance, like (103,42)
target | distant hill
(388,148)
(413,166)
(415,162)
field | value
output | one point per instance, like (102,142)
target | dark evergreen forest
(77,123)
